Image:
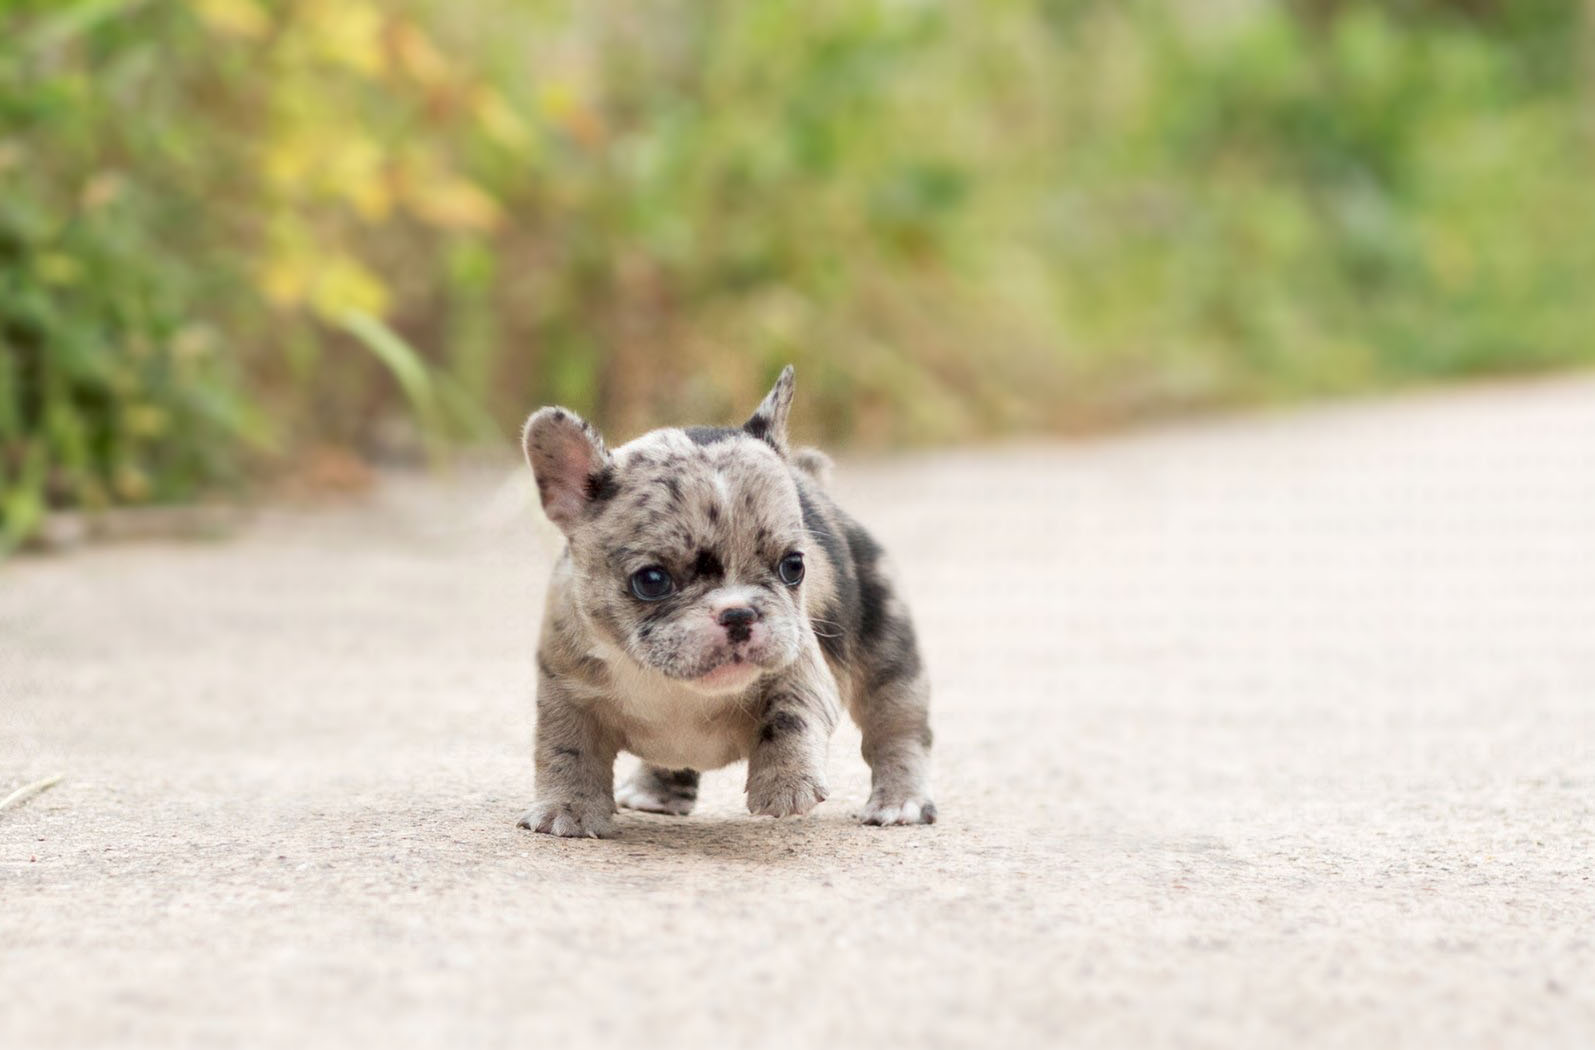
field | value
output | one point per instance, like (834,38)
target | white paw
(785,796)
(571,820)
(631,796)
(886,810)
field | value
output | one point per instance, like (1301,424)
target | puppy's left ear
(768,422)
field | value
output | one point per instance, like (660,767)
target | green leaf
(407,369)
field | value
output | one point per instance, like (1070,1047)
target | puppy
(713,605)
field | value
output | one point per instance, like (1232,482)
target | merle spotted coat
(713,605)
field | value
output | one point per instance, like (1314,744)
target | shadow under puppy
(714,604)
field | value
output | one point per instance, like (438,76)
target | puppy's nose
(738,622)
(737,616)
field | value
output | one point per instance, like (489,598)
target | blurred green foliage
(234,229)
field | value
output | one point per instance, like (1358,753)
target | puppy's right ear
(572,466)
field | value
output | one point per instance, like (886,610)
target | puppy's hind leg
(655,789)
(894,716)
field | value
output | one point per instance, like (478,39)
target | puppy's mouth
(725,670)
(734,672)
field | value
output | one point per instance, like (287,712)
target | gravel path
(1269,732)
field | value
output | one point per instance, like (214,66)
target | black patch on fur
(842,617)
(758,426)
(657,611)
(545,667)
(780,723)
(872,591)
(711,435)
(838,554)
(674,488)
(567,752)
(679,784)
(707,565)
(894,652)
(601,486)
(682,782)
(714,512)
(895,655)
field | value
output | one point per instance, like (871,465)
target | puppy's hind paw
(887,810)
(633,796)
(656,790)
(570,820)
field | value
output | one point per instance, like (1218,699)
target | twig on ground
(27,791)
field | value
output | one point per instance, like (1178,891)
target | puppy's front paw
(785,796)
(571,820)
(888,808)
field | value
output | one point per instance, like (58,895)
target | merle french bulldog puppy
(713,604)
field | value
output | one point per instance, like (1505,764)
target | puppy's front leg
(786,767)
(575,767)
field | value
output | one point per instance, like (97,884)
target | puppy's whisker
(836,631)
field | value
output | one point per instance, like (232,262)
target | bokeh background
(242,236)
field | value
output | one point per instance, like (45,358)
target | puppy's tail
(814,463)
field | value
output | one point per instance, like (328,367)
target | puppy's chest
(674,727)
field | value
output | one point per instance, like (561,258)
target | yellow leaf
(343,285)
(284,275)
(420,61)
(563,106)
(353,170)
(557,100)
(372,198)
(452,203)
(500,121)
(304,163)
(242,19)
(287,160)
(348,32)
(283,282)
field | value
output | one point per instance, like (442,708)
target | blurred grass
(232,231)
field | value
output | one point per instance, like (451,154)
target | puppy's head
(688,545)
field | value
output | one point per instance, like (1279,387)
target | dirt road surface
(1266,732)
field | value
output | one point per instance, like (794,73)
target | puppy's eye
(652,583)
(791,569)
